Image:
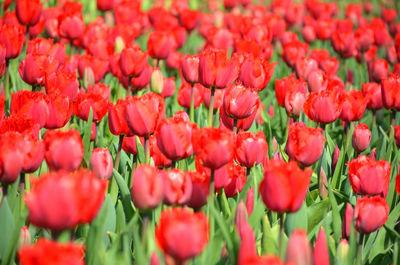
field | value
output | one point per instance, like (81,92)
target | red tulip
(240,102)
(144,114)
(284,186)
(57,144)
(323,107)
(291,93)
(190,68)
(175,136)
(160,44)
(214,147)
(368,176)
(397,135)
(33,104)
(325,27)
(378,70)
(353,105)
(215,69)
(189,19)
(256,73)
(28,12)
(373,93)
(321,252)
(105,5)
(51,252)
(251,148)
(390,92)
(86,101)
(101,163)
(20,123)
(184,94)
(147,187)
(235,178)
(132,60)
(227,123)
(309,33)
(62,82)
(96,65)
(317,81)
(200,189)
(218,98)
(305,144)
(398,184)
(299,249)
(55,203)
(116,118)
(60,111)
(70,23)
(11,157)
(370,214)
(174,60)
(347,219)
(13,38)
(304,66)
(160,160)
(361,138)
(343,43)
(33,68)
(177,186)
(364,38)
(181,233)
(293,51)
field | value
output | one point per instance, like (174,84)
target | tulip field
(199,132)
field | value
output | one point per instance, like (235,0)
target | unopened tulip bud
(156,81)
(323,182)
(361,138)
(101,163)
(321,252)
(335,158)
(119,44)
(347,218)
(88,77)
(299,249)
(342,251)
(24,237)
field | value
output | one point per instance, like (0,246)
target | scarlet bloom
(52,253)
(214,147)
(60,111)
(13,38)
(390,92)
(181,233)
(28,12)
(240,102)
(299,248)
(62,82)
(215,69)
(190,68)
(132,60)
(33,104)
(144,114)
(368,176)
(189,19)
(177,186)
(174,136)
(347,218)
(373,93)
(364,38)
(218,98)
(291,93)
(321,252)
(33,68)
(70,22)
(256,72)
(398,184)
(57,144)
(397,135)
(370,214)
(96,65)
(160,44)
(56,200)
(101,163)
(293,51)
(251,148)
(200,189)
(147,187)
(343,43)
(284,186)
(378,70)
(160,160)
(11,157)
(105,5)
(184,94)
(116,118)
(86,101)
(227,122)
(305,144)
(325,27)
(323,107)
(304,66)
(361,137)
(317,81)
(353,105)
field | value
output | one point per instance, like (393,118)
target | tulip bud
(299,248)
(342,251)
(24,237)
(119,44)
(88,77)
(147,187)
(154,259)
(101,163)
(335,158)
(200,189)
(321,253)
(361,137)
(347,218)
(250,201)
(156,81)
(323,182)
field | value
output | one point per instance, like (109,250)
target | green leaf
(140,151)
(316,213)
(125,195)
(86,137)
(336,220)
(110,219)
(296,220)
(7,226)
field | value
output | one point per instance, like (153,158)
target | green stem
(113,188)
(360,247)
(211,191)
(147,149)
(173,164)
(7,83)
(118,156)
(235,121)
(191,111)
(281,254)
(211,108)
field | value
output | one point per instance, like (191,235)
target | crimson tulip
(60,111)
(86,101)
(321,252)
(147,187)
(132,60)
(390,92)
(200,189)
(299,249)
(251,148)
(353,105)
(370,214)
(101,163)
(240,102)
(361,137)
(256,73)
(33,104)
(177,186)
(323,107)
(373,93)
